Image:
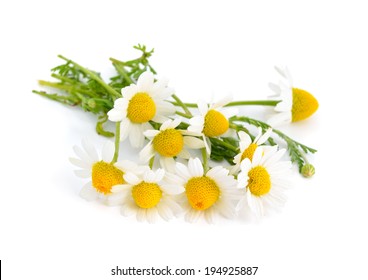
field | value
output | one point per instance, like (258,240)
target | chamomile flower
(247,146)
(141,103)
(263,180)
(169,142)
(206,194)
(103,174)
(212,121)
(295,105)
(146,195)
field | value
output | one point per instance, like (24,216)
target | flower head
(295,105)
(263,180)
(205,193)
(141,103)
(102,173)
(248,147)
(146,195)
(213,120)
(168,143)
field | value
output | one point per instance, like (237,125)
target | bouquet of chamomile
(196,160)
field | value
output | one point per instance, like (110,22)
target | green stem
(152,160)
(183,115)
(182,105)
(117,142)
(237,103)
(109,89)
(205,160)
(118,66)
(225,144)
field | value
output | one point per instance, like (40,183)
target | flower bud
(308,170)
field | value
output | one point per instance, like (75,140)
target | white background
(205,48)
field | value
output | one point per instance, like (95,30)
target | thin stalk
(109,89)
(182,105)
(205,160)
(237,103)
(117,142)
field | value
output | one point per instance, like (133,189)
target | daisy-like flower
(206,194)
(145,194)
(141,103)
(263,180)
(169,142)
(295,105)
(248,147)
(103,174)
(212,121)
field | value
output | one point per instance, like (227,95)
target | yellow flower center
(304,105)
(105,176)
(249,152)
(141,108)
(146,195)
(215,124)
(259,182)
(202,192)
(168,143)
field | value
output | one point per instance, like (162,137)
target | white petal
(280,119)
(193,142)
(275,88)
(192,216)
(151,133)
(128,209)
(124,129)
(164,211)
(195,167)
(165,108)
(152,215)
(108,151)
(145,81)
(141,214)
(126,165)
(226,209)
(229,112)
(207,144)
(136,136)
(222,102)
(245,140)
(257,156)
(184,154)
(159,118)
(166,125)
(182,171)
(80,163)
(172,189)
(88,193)
(202,107)
(208,215)
(131,178)
(168,163)
(147,153)
(83,173)
(90,149)
(83,155)
(120,188)
(264,137)
(115,115)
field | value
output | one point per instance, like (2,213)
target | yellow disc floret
(146,195)
(215,124)
(259,182)
(168,143)
(105,176)
(304,105)
(202,192)
(141,108)
(249,152)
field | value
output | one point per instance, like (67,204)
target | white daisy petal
(80,163)
(115,115)
(120,188)
(222,102)
(124,129)
(108,151)
(164,211)
(168,163)
(145,81)
(131,178)
(182,171)
(88,193)
(152,215)
(184,154)
(263,138)
(141,214)
(193,142)
(208,215)
(151,133)
(192,216)
(202,107)
(147,153)
(83,173)
(195,167)
(128,209)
